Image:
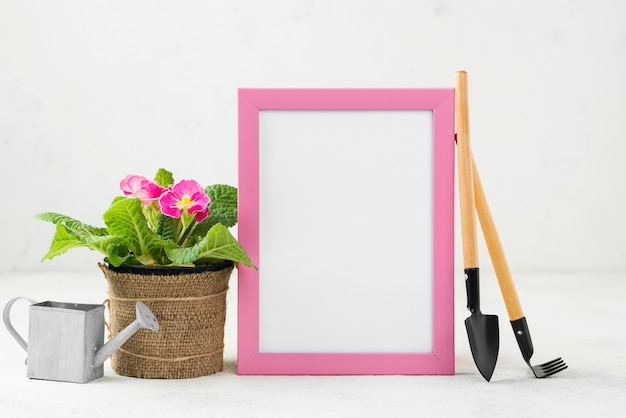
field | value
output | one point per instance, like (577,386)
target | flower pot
(190,305)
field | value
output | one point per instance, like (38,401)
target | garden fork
(507,288)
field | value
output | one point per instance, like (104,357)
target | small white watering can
(66,340)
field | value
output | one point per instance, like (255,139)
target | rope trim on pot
(173,360)
(185,299)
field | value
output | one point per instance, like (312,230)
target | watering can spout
(145,320)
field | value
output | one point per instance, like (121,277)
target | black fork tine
(552,367)
(548,369)
(549,363)
(552,364)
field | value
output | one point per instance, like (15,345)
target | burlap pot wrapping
(191,310)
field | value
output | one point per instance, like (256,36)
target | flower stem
(186,241)
(185,221)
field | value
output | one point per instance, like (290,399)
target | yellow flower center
(185,201)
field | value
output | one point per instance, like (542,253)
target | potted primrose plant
(166,244)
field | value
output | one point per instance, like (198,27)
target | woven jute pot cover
(190,305)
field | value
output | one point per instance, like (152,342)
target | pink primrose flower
(142,188)
(186,194)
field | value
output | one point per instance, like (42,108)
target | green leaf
(112,247)
(72,224)
(223,205)
(219,244)
(125,219)
(222,208)
(164,178)
(166,227)
(62,241)
(117,199)
(71,233)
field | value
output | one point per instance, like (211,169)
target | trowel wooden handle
(496,252)
(466,182)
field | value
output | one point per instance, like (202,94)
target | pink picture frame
(346,205)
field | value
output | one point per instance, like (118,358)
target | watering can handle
(6,317)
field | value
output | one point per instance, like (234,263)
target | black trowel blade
(484,339)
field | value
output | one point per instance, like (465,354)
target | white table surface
(578,316)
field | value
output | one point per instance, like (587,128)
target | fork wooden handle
(496,252)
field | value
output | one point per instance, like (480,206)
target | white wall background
(93,90)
